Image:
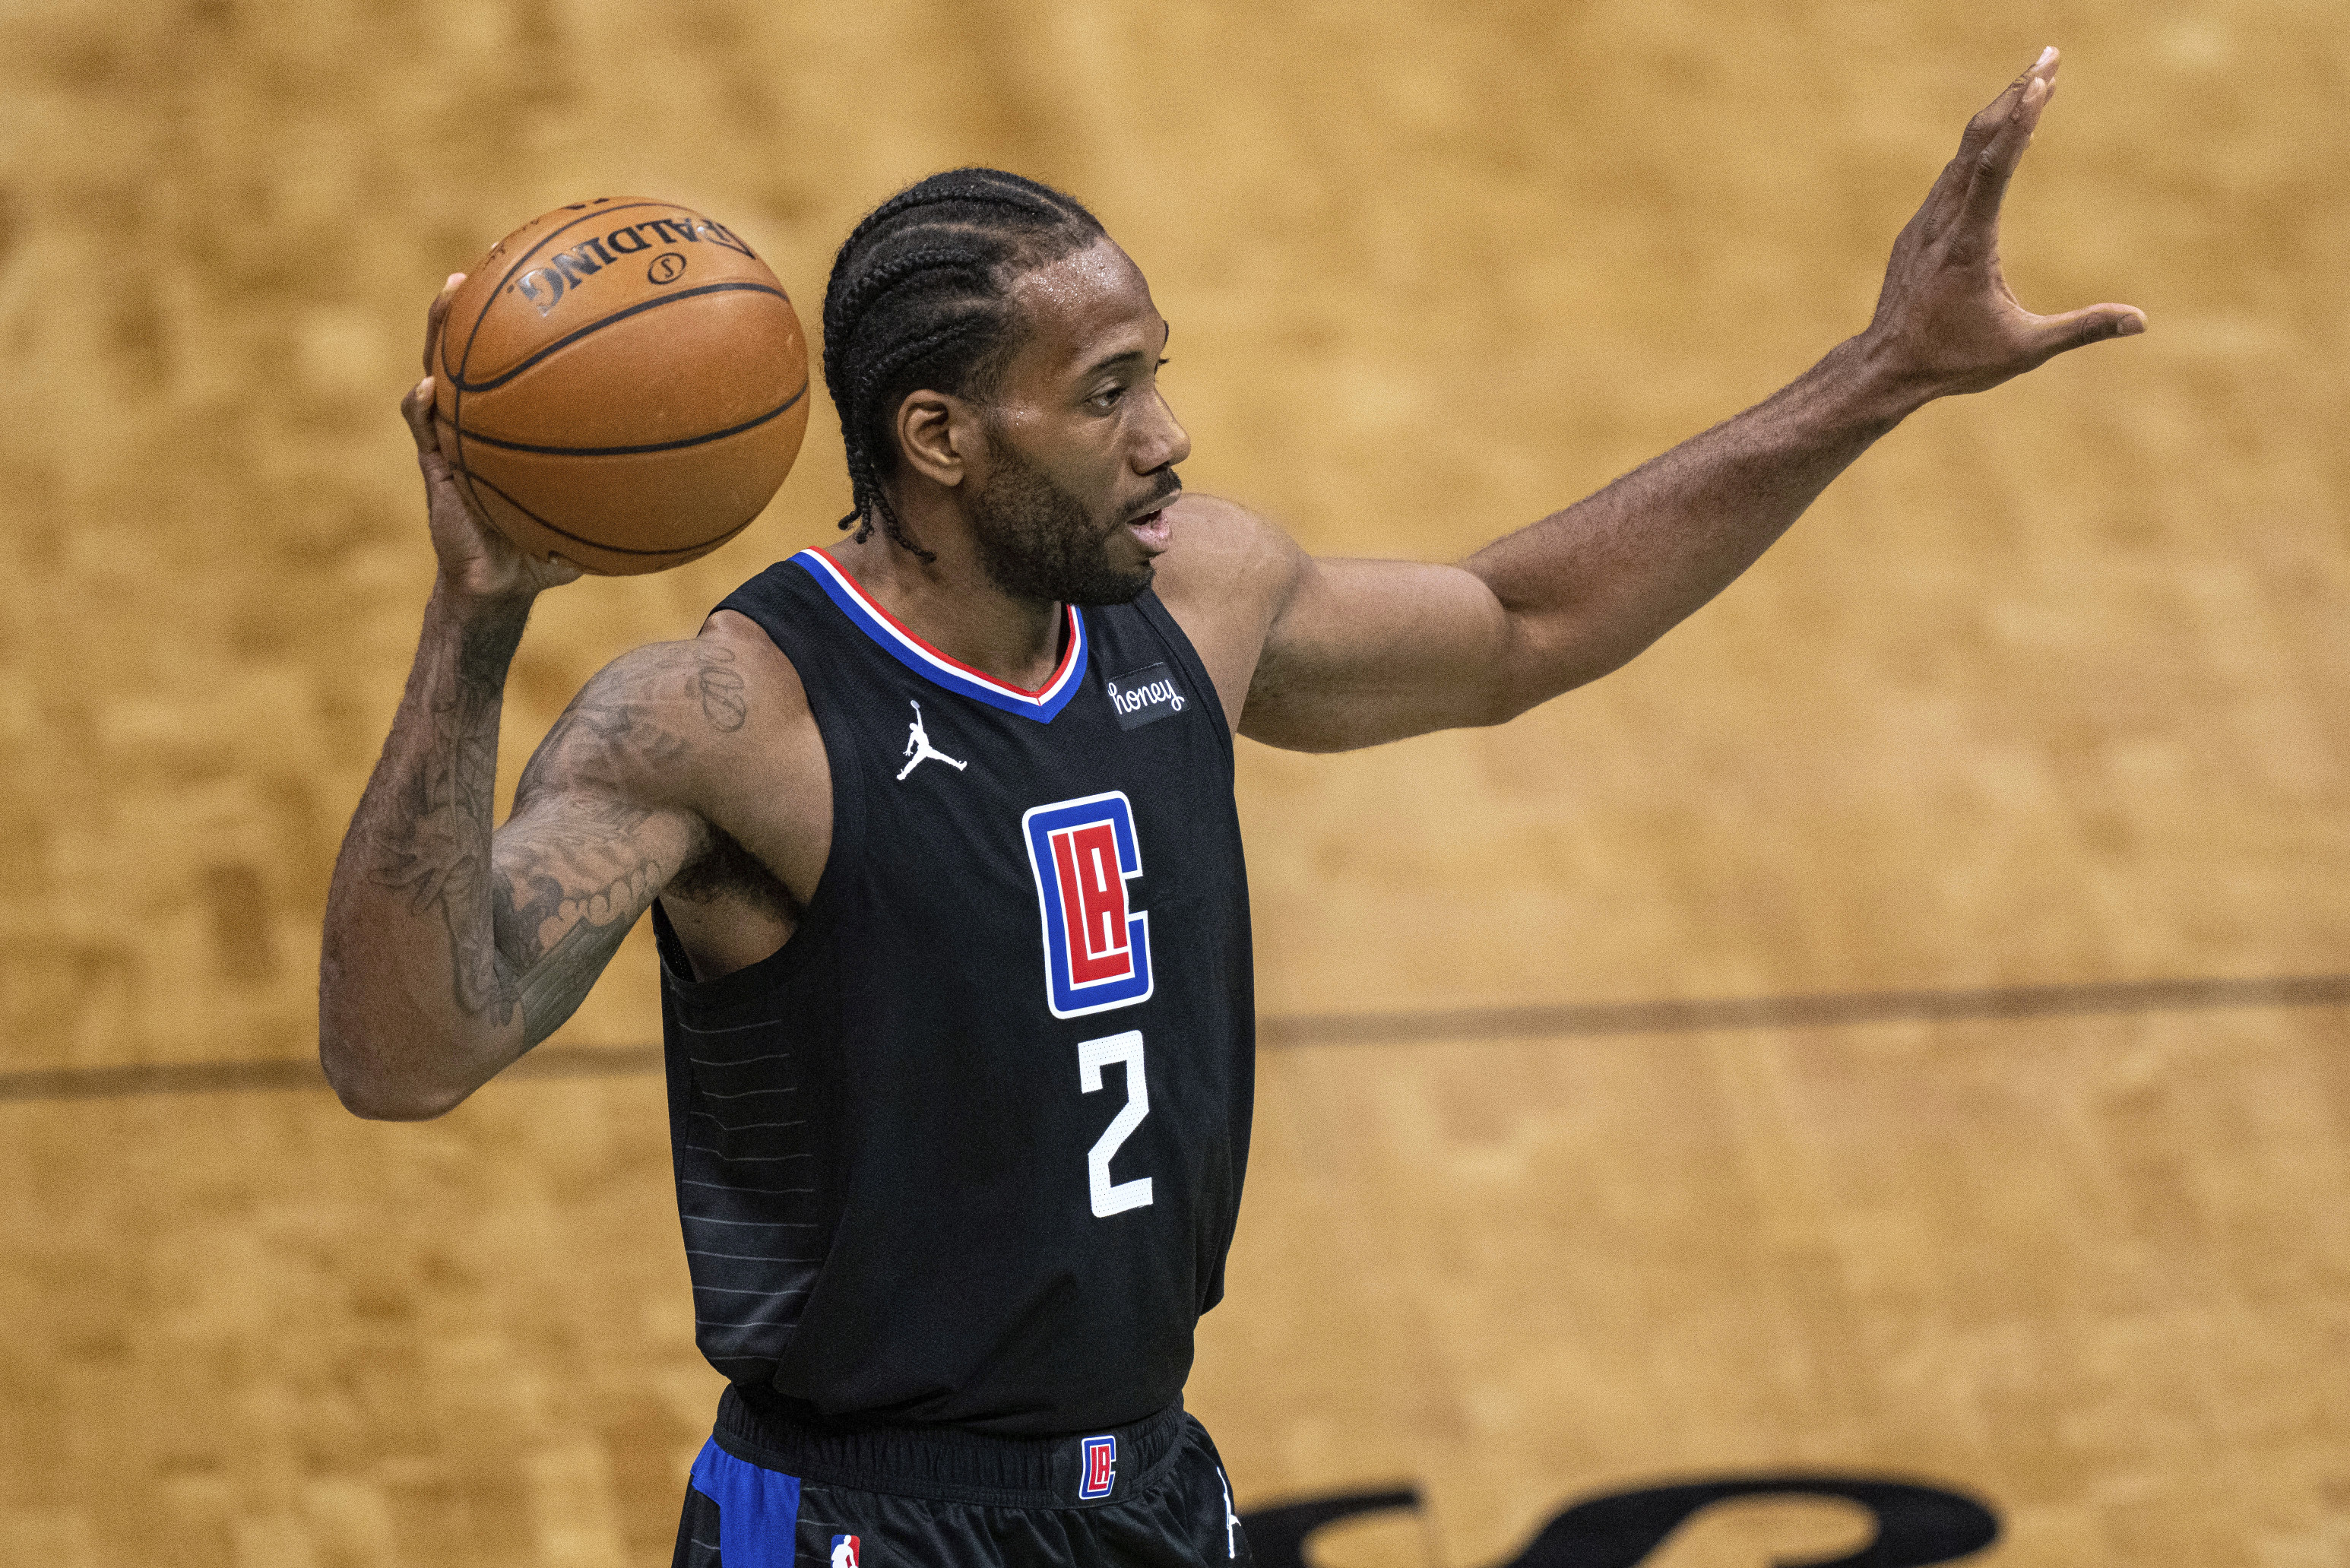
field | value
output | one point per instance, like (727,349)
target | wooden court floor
(2027,752)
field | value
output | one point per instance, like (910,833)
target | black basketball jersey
(967,1150)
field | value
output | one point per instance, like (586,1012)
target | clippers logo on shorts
(1097,951)
(1101,1468)
(1144,697)
(844,1551)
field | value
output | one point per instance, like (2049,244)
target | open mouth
(1152,529)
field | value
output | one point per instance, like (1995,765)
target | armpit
(728,871)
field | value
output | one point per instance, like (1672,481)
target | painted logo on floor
(1917,1524)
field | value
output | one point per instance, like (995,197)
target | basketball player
(936,827)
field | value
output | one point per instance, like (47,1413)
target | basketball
(622,383)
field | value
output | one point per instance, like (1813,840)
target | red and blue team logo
(1101,1467)
(1097,951)
(844,1551)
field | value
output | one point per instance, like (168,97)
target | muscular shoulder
(660,720)
(714,730)
(1225,578)
(1224,556)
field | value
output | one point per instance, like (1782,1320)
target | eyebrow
(1113,360)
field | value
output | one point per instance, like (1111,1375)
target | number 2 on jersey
(1115,1198)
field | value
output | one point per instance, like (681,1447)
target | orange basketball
(621,383)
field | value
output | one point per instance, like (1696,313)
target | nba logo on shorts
(1101,1467)
(844,1551)
(1096,949)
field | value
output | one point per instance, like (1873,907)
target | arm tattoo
(723,701)
(532,933)
(559,920)
(436,848)
(622,715)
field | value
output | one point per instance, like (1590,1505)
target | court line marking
(1825,1010)
(1818,1011)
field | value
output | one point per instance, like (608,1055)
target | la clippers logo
(1097,951)
(1101,1467)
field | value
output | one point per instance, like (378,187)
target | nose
(1164,441)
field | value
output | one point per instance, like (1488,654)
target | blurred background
(2051,690)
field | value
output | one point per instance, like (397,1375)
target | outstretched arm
(1360,652)
(449,952)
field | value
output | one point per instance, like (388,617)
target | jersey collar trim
(923,659)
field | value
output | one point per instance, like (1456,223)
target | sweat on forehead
(1085,305)
(1099,269)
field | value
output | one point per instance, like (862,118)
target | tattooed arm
(449,952)
(598,829)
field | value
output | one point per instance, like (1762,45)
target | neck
(949,603)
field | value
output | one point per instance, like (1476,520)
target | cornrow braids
(920,297)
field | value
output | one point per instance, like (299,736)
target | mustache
(1170,486)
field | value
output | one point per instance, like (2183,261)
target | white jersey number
(1116,1196)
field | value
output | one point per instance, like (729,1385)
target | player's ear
(935,432)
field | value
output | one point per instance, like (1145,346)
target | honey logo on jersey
(1144,697)
(1096,948)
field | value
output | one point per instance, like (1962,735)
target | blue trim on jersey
(935,667)
(758,1508)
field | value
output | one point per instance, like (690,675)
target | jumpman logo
(919,747)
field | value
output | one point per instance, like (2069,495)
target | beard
(1036,541)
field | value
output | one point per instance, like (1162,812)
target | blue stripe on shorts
(758,1508)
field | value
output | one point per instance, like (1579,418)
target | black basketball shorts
(767,1494)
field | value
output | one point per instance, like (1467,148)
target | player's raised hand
(476,560)
(1946,317)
